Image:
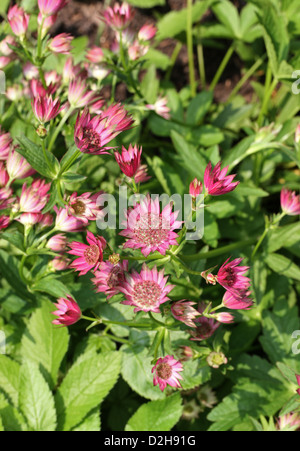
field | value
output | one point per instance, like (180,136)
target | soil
(83,17)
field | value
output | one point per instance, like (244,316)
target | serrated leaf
(45,344)
(87,383)
(36,400)
(157,415)
(91,423)
(12,419)
(52,286)
(9,378)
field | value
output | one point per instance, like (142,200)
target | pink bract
(68,312)
(61,43)
(130,160)
(90,256)
(166,372)
(217,182)
(231,277)
(184,312)
(67,223)
(50,7)
(110,277)
(290,202)
(4,222)
(243,302)
(18,20)
(17,167)
(45,108)
(119,16)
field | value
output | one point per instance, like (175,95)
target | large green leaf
(9,378)
(283,265)
(147,3)
(157,415)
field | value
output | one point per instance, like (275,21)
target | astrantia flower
(84,207)
(79,95)
(18,20)
(95,55)
(225,318)
(290,202)
(45,108)
(184,312)
(92,135)
(147,290)
(141,175)
(147,32)
(150,230)
(243,302)
(6,198)
(110,277)
(67,223)
(4,177)
(161,107)
(4,222)
(120,16)
(90,256)
(130,160)
(68,312)
(5,145)
(205,327)
(166,372)
(60,263)
(4,45)
(30,71)
(29,219)
(289,422)
(34,197)
(17,167)
(50,7)
(61,43)
(195,188)
(57,243)
(46,23)
(217,182)
(231,277)
(45,222)
(72,71)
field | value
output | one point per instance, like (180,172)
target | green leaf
(14,237)
(199,107)
(285,236)
(12,419)
(150,85)
(283,265)
(147,3)
(46,166)
(228,14)
(4,6)
(52,286)
(91,423)
(87,383)
(157,415)
(36,399)
(195,373)
(45,344)
(9,378)
(192,160)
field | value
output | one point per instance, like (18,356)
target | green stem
(222,67)
(156,320)
(173,60)
(60,127)
(201,62)
(117,339)
(189,36)
(269,88)
(217,252)
(266,231)
(21,270)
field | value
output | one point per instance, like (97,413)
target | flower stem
(189,37)
(222,67)
(219,251)
(60,127)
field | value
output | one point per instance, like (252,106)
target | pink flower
(46,22)
(90,256)
(288,422)
(238,303)
(35,197)
(298,382)
(195,188)
(72,72)
(84,207)
(6,198)
(61,43)
(5,145)
(4,61)
(130,160)
(30,71)
(29,219)
(17,167)
(4,177)
(184,312)
(147,32)
(205,327)
(161,108)
(18,20)
(92,135)
(231,277)
(120,16)
(45,221)
(290,202)
(67,223)
(4,222)
(79,96)
(166,372)
(4,45)
(110,277)
(45,108)
(216,182)
(147,290)
(95,55)
(50,7)
(224,317)
(68,312)
(150,230)
(60,263)
(142,174)
(57,243)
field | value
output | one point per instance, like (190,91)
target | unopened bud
(41,131)
(216,359)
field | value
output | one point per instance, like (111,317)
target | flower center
(230,277)
(116,277)
(146,294)
(79,208)
(150,230)
(92,254)
(164,371)
(92,138)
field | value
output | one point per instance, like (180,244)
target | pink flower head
(17,167)
(298,382)
(61,43)
(142,174)
(130,160)
(34,197)
(29,219)
(95,55)
(30,71)
(147,290)
(120,16)
(217,182)
(50,7)
(4,222)
(45,108)
(45,221)
(90,256)
(288,422)
(110,277)
(184,312)
(195,188)
(68,312)
(67,223)
(92,135)
(225,318)
(46,22)
(4,177)
(4,61)
(60,263)
(57,243)
(231,277)
(290,202)
(84,207)
(147,32)
(4,45)
(205,327)
(79,96)
(18,20)
(5,145)
(161,107)
(150,230)
(243,302)
(166,372)
(72,72)
(6,198)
